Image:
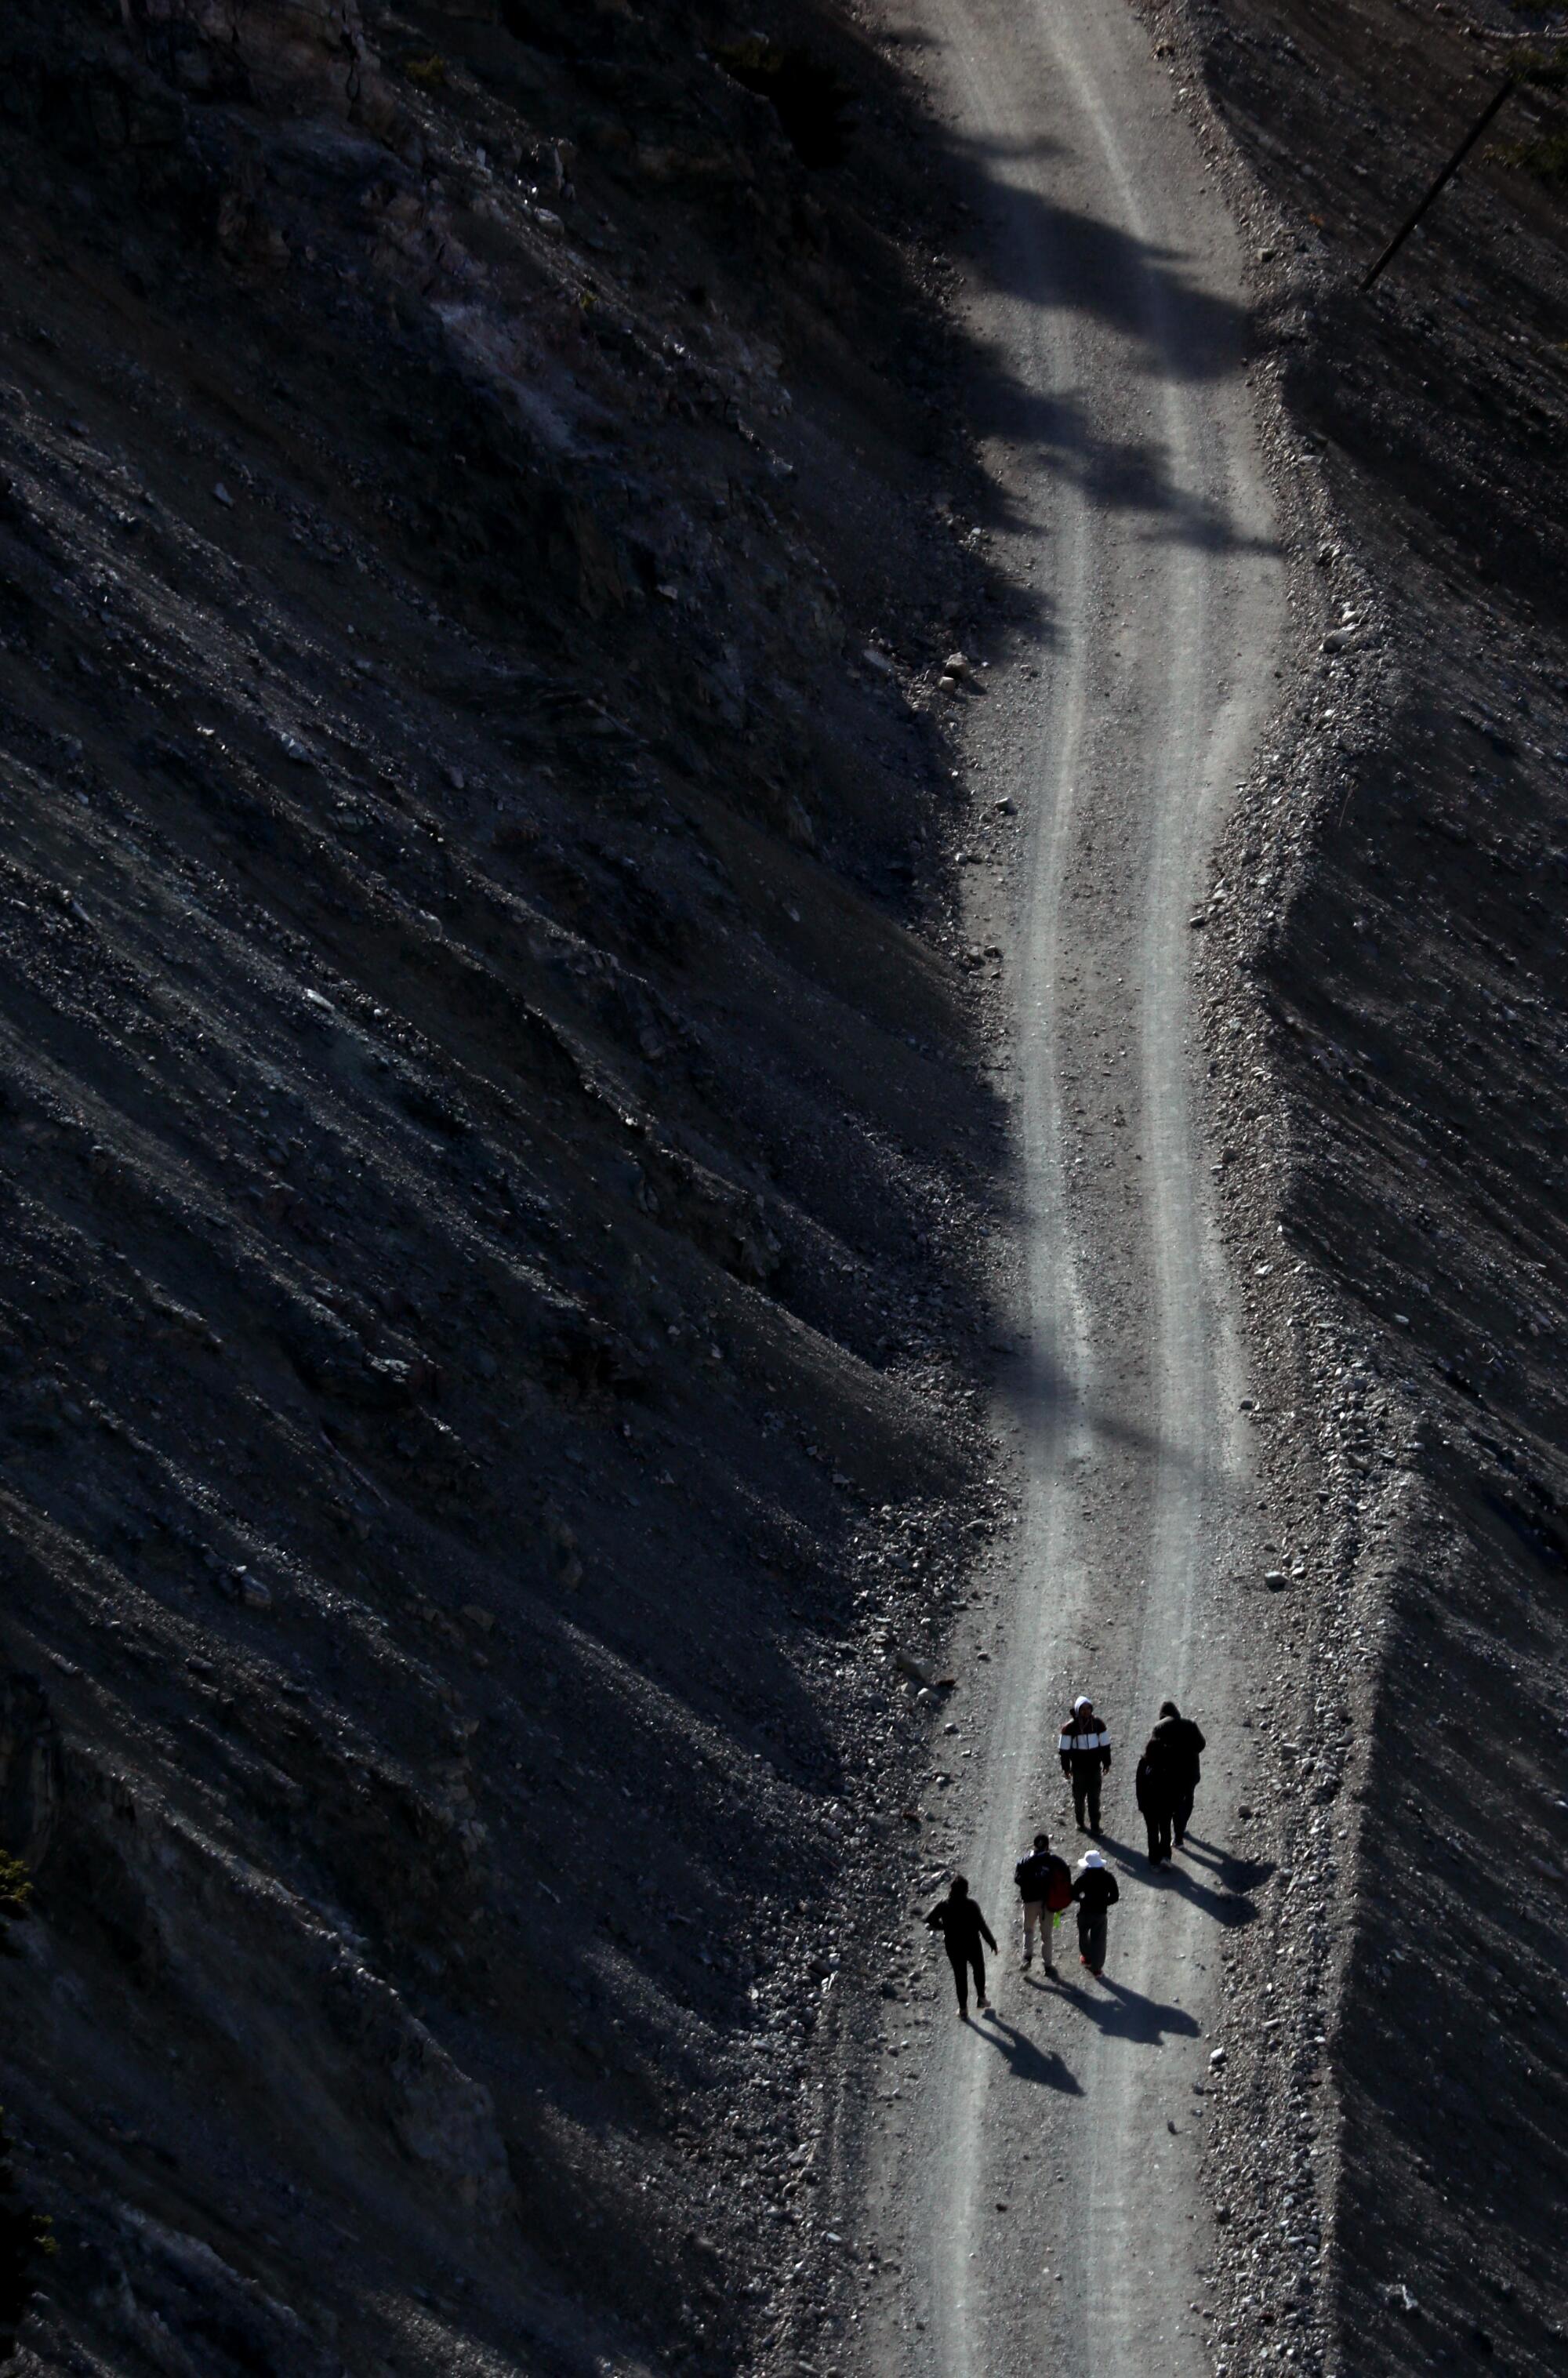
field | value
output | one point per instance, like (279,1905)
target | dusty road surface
(1034,2188)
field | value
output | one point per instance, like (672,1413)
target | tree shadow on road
(1026,2059)
(1065,262)
(1060,258)
(1046,1405)
(1058,427)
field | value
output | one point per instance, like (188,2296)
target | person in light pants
(1045,1886)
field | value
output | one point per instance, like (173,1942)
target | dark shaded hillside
(486,1161)
(1406,883)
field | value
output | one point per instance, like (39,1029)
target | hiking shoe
(1047,1967)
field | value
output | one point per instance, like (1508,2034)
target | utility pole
(1413,217)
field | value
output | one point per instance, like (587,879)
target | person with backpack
(1084,1748)
(1180,1744)
(963,1928)
(1046,1888)
(1154,1788)
(1095,1888)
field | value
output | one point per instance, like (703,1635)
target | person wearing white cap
(1084,1748)
(1095,1888)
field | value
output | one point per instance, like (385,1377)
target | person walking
(1155,1789)
(1095,1888)
(1084,1748)
(963,1928)
(1182,1744)
(1046,1887)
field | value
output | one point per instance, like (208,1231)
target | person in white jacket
(1084,1750)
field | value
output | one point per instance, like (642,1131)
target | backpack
(1058,1882)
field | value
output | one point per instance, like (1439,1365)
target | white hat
(1082,1703)
(1091,1857)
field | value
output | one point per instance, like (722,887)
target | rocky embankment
(489,1157)
(1389,1137)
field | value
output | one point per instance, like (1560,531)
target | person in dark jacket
(1095,1888)
(1045,1886)
(1182,1744)
(1084,1748)
(1155,1787)
(963,1928)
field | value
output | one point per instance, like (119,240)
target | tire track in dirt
(1045,2189)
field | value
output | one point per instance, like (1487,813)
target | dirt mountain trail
(1041,2181)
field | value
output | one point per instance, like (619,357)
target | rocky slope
(1389,1134)
(490,1151)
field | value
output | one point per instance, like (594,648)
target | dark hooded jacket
(961,1925)
(1095,1890)
(1156,1784)
(1180,1743)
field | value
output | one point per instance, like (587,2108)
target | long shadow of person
(1127,2015)
(1236,1873)
(1196,1846)
(1130,1860)
(1026,2059)
(1229,1906)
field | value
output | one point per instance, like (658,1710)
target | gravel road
(1038,2185)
